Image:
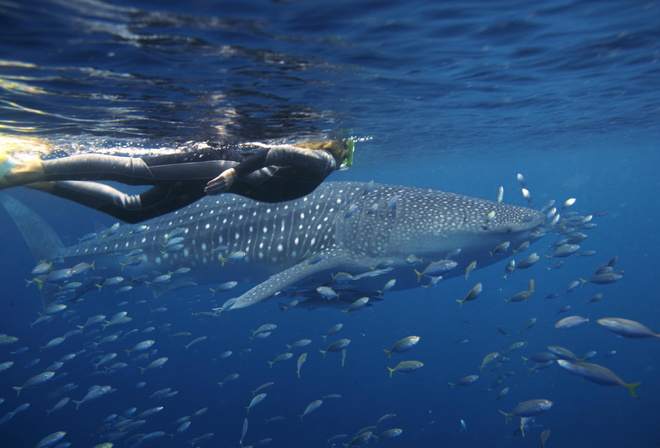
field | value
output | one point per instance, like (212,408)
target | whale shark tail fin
(40,237)
(38,234)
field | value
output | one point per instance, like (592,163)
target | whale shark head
(432,221)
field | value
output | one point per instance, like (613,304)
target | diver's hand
(222,183)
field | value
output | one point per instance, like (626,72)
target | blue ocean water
(453,96)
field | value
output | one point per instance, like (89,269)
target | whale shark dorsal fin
(320,261)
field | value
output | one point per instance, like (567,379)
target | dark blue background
(458,97)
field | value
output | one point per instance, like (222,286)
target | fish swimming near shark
(365,230)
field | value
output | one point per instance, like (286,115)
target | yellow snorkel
(349,147)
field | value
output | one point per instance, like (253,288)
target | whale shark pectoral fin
(321,261)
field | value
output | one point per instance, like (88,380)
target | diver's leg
(158,201)
(128,170)
(96,196)
(16,173)
(154,202)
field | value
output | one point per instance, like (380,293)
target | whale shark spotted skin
(365,230)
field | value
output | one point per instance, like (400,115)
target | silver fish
(599,375)
(627,328)
(571,322)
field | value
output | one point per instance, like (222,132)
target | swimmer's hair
(335,147)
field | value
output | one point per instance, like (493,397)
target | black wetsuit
(272,174)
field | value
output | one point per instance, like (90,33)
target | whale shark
(353,238)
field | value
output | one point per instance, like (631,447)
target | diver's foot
(7,163)
(14,173)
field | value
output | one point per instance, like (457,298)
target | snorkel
(349,147)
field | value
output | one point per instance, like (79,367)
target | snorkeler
(267,173)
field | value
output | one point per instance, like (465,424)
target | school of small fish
(137,344)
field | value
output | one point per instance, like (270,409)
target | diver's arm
(253,163)
(225,180)
(318,161)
